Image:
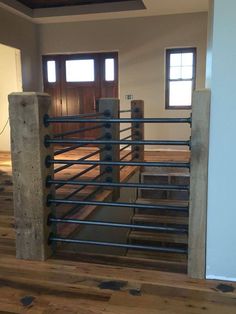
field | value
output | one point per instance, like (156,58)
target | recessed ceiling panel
(40,4)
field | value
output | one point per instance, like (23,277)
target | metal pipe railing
(50,161)
(118,204)
(75,209)
(68,149)
(76,176)
(120,245)
(49,120)
(111,163)
(133,157)
(159,228)
(118,142)
(80,159)
(79,189)
(120,185)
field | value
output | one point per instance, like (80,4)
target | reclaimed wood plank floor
(74,287)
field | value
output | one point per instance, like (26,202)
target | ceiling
(56,11)
(40,4)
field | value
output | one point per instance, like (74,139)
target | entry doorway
(75,83)
(10,81)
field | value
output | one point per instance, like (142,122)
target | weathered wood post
(199,183)
(137,112)
(26,112)
(110,107)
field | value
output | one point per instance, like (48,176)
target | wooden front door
(75,82)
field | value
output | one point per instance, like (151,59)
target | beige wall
(10,80)
(141,43)
(20,33)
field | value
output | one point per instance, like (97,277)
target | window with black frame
(180,77)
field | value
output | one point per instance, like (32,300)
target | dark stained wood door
(75,82)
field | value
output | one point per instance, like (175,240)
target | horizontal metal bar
(120,185)
(74,209)
(118,142)
(161,228)
(131,160)
(88,156)
(80,189)
(121,120)
(77,131)
(68,149)
(118,204)
(73,193)
(77,175)
(120,245)
(126,129)
(121,163)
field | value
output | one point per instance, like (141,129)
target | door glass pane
(180,94)
(51,71)
(109,69)
(80,70)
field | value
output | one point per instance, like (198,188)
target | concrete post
(137,107)
(26,112)
(111,108)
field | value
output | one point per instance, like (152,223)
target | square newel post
(199,183)
(26,112)
(137,112)
(110,108)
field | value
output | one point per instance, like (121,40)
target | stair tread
(178,220)
(138,260)
(158,237)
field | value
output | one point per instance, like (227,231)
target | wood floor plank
(159,304)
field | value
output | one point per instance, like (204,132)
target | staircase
(162,217)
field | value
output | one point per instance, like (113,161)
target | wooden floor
(64,286)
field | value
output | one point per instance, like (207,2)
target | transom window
(180,77)
(80,70)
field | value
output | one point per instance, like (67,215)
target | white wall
(221,227)
(141,43)
(10,80)
(17,32)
